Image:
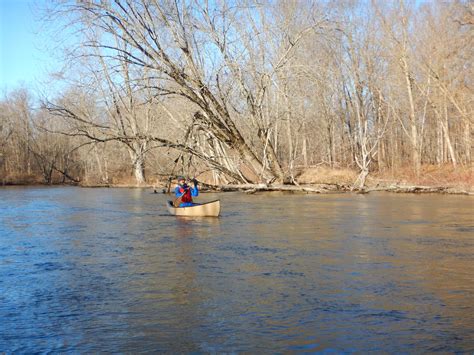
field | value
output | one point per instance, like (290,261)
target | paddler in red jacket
(187,192)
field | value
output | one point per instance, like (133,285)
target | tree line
(247,91)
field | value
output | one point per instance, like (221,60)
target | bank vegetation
(349,94)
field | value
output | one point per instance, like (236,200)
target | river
(108,270)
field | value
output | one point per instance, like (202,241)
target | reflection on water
(91,270)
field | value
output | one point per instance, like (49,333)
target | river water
(107,270)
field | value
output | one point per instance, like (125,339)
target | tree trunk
(139,170)
(416,158)
(467,141)
(445,125)
(137,154)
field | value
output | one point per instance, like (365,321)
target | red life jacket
(187,194)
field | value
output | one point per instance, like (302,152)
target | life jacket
(186,194)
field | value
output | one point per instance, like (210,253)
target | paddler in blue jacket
(186,192)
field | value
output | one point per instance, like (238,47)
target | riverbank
(433,179)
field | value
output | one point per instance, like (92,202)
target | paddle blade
(178,201)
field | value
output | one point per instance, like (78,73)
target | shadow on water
(93,270)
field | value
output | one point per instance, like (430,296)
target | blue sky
(24,59)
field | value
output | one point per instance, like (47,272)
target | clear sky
(24,59)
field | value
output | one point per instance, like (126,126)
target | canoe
(208,209)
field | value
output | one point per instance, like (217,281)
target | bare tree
(218,58)
(249,91)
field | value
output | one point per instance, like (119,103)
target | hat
(181,178)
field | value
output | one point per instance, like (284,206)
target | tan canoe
(208,209)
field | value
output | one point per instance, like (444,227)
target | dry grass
(325,175)
(20,179)
(431,175)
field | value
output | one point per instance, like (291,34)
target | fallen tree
(331,188)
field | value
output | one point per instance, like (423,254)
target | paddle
(178,201)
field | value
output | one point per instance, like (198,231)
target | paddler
(185,192)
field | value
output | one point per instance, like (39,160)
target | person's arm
(177,193)
(195,190)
